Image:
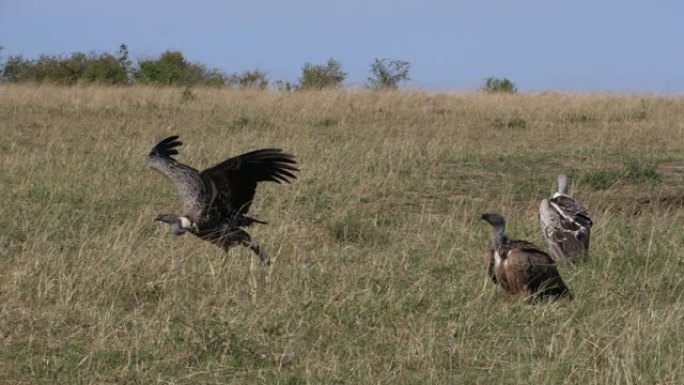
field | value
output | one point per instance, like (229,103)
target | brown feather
(531,272)
(489,262)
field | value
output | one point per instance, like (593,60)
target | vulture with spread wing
(565,223)
(520,267)
(216,200)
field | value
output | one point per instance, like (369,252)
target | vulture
(520,267)
(216,200)
(565,223)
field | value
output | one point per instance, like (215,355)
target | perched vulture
(565,223)
(520,267)
(216,200)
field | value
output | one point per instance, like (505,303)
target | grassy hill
(378,273)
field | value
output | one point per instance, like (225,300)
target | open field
(378,273)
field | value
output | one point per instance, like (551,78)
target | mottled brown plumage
(520,267)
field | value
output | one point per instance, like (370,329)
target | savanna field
(377,273)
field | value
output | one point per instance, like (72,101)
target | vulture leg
(228,238)
(243,238)
(234,237)
(259,251)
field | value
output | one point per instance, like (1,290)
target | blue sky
(581,45)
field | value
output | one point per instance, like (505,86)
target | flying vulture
(216,200)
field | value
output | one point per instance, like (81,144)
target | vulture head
(498,226)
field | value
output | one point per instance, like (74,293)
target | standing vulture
(565,223)
(216,200)
(520,267)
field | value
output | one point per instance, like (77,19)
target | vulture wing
(236,178)
(566,226)
(185,178)
(540,273)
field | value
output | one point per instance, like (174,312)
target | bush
(187,95)
(284,86)
(320,76)
(171,68)
(15,69)
(78,68)
(250,79)
(386,74)
(212,78)
(106,69)
(496,85)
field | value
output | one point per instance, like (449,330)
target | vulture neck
(498,236)
(562,184)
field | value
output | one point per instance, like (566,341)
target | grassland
(378,273)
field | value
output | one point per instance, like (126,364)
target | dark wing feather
(236,178)
(573,210)
(543,277)
(539,273)
(185,178)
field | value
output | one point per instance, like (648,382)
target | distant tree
(387,74)
(496,85)
(320,76)
(250,79)
(124,62)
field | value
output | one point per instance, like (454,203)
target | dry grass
(378,275)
